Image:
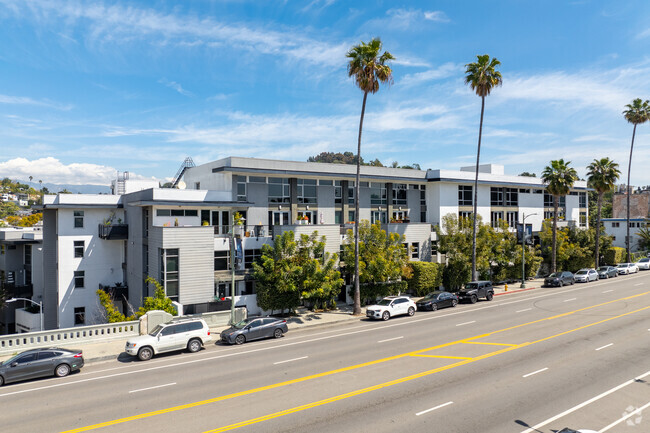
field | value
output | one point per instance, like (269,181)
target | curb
(515,291)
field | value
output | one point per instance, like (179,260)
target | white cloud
(174,85)
(404,18)
(437,16)
(51,170)
(443,71)
(23,100)
(644,34)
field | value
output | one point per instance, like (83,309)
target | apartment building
(616,228)
(184,237)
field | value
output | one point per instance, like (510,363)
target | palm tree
(558,178)
(30,179)
(482,77)
(368,68)
(636,113)
(602,175)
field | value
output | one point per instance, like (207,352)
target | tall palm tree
(558,178)
(602,175)
(636,113)
(368,68)
(482,77)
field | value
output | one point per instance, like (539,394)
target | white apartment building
(616,228)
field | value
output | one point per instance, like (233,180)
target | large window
(380,216)
(548,200)
(511,218)
(495,217)
(583,219)
(241,188)
(80,316)
(464,195)
(582,197)
(222,260)
(28,255)
(306,191)
(496,196)
(338,193)
(169,264)
(279,190)
(279,218)
(250,256)
(177,212)
(78,219)
(415,250)
(464,214)
(351,192)
(399,193)
(377,193)
(79,279)
(512,197)
(78,249)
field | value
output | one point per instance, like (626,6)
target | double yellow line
(462,361)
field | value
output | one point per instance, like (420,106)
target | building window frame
(170,272)
(465,195)
(80,316)
(78,216)
(307,191)
(79,247)
(79,279)
(279,190)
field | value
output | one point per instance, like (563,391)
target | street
(534,361)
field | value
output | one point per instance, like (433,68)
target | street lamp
(523,249)
(40,307)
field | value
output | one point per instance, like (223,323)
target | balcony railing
(114,231)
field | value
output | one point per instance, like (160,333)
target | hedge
(426,277)
(614,255)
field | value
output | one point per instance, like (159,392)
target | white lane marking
(535,372)
(289,360)
(572,299)
(152,387)
(466,323)
(620,420)
(525,309)
(638,284)
(535,428)
(434,408)
(607,345)
(607,291)
(364,328)
(390,339)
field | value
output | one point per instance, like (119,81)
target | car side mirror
(14,364)
(247,328)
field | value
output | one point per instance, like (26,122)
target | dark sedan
(437,299)
(39,363)
(559,279)
(607,272)
(254,328)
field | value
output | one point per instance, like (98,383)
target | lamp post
(523,249)
(40,307)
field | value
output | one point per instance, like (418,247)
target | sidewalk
(108,350)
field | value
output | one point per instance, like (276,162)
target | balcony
(17,291)
(114,231)
(116,292)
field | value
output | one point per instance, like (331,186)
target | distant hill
(75,189)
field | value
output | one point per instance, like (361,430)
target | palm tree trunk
(556,206)
(600,203)
(478,157)
(627,228)
(357,290)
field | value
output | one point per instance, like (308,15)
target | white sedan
(643,263)
(391,306)
(627,268)
(585,275)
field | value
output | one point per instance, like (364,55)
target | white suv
(181,334)
(391,306)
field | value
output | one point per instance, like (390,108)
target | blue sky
(89,88)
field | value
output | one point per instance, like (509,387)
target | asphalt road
(535,361)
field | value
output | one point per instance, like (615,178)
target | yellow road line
(357,366)
(442,357)
(489,344)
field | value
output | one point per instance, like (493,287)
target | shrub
(425,277)
(614,255)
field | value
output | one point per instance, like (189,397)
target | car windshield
(581,272)
(471,286)
(554,275)
(385,302)
(432,295)
(155,330)
(644,260)
(603,268)
(622,265)
(242,324)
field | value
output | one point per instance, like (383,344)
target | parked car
(254,328)
(607,272)
(559,279)
(181,334)
(391,306)
(585,275)
(627,268)
(475,290)
(644,263)
(34,363)
(437,299)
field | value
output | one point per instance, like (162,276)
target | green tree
(482,77)
(8,209)
(319,281)
(425,277)
(558,178)
(368,68)
(636,113)
(602,175)
(159,301)
(336,158)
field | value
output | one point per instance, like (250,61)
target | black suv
(559,279)
(475,290)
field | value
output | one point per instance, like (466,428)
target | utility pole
(523,249)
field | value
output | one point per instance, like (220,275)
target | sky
(88,89)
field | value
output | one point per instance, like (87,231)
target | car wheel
(560,284)
(411,311)
(145,353)
(489,296)
(194,345)
(434,307)
(2,380)
(385,315)
(277,333)
(62,370)
(473,299)
(240,339)
(454,303)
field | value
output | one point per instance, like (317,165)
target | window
(145,223)
(78,248)
(279,190)
(26,358)
(415,250)
(494,218)
(169,264)
(311,216)
(241,188)
(400,216)
(79,277)
(538,191)
(399,193)
(222,260)
(496,197)
(324,182)
(306,191)
(28,255)
(464,195)
(377,216)
(78,219)
(582,198)
(616,225)
(583,219)
(176,212)
(464,214)
(197,185)
(80,316)
(256,179)
(338,191)
(511,218)
(46,355)
(512,197)
(338,217)
(377,194)
(279,218)
(350,192)
(249,288)
(351,216)
(548,200)
(250,256)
